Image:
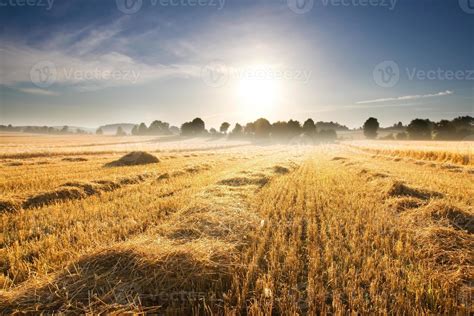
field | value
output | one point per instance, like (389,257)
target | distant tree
(309,128)
(464,122)
(401,136)
(280,130)
(445,130)
(120,132)
(159,128)
(196,127)
(294,128)
(371,127)
(135,130)
(99,131)
(237,131)
(420,129)
(65,130)
(263,128)
(399,125)
(174,130)
(464,126)
(78,131)
(330,125)
(187,129)
(249,129)
(224,127)
(142,129)
(213,131)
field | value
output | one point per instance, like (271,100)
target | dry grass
(460,153)
(250,230)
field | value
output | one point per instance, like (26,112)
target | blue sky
(337,60)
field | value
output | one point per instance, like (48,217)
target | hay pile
(281,170)
(59,195)
(443,233)
(74,159)
(399,189)
(80,190)
(243,181)
(403,204)
(135,158)
(444,214)
(155,273)
(9,206)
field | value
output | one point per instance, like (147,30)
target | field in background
(229,227)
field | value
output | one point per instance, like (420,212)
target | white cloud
(408,97)
(372,106)
(90,73)
(79,65)
(38,91)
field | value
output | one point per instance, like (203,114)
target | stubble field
(222,227)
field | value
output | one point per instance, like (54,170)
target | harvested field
(235,228)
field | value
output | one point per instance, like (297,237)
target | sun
(257,96)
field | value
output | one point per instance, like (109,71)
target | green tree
(309,128)
(142,129)
(263,128)
(196,127)
(371,127)
(224,127)
(445,130)
(120,132)
(237,131)
(159,128)
(294,128)
(419,129)
(199,126)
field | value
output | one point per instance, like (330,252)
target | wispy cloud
(408,97)
(373,106)
(38,91)
(85,60)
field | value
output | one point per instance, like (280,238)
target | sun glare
(257,96)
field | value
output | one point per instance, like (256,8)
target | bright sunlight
(257,95)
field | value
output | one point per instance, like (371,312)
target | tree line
(261,128)
(65,130)
(424,129)
(419,129)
